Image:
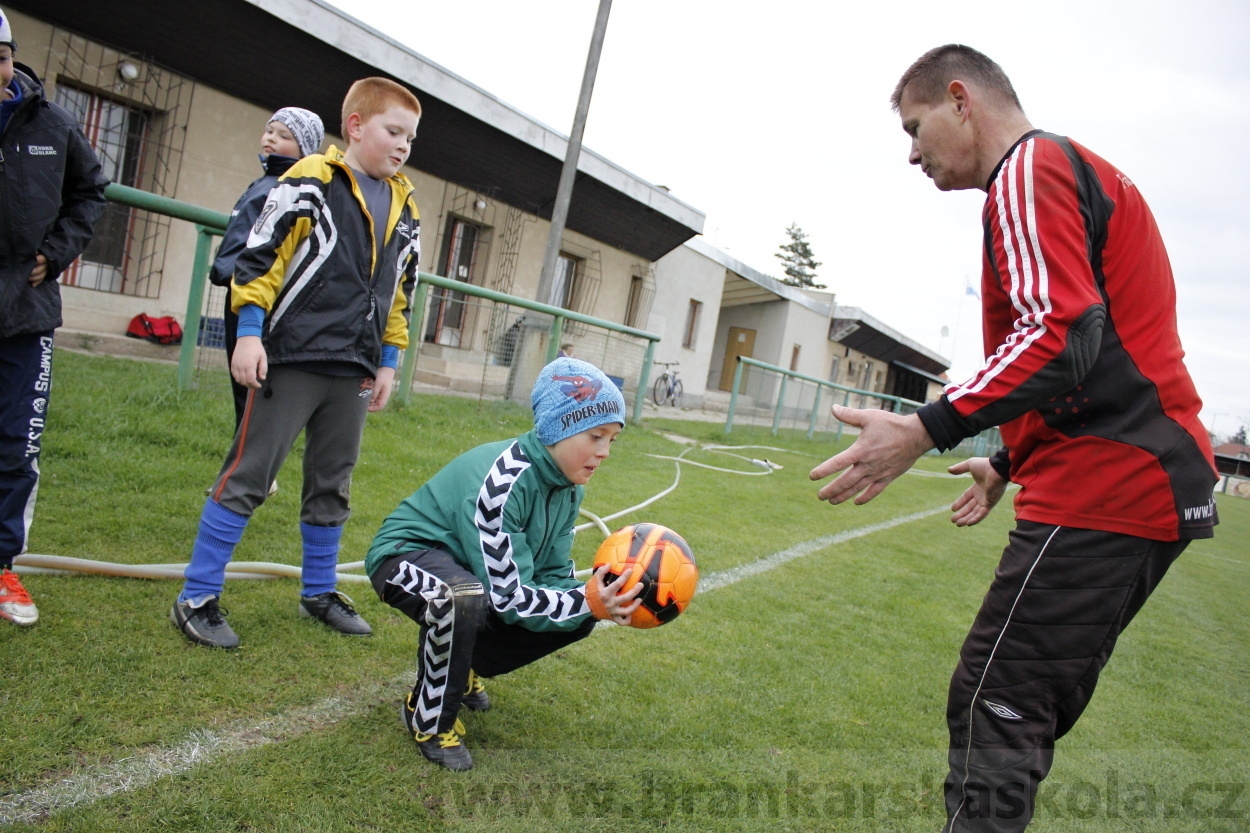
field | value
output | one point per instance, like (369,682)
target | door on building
(740,342)
(447,306)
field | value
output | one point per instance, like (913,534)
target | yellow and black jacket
(311,263)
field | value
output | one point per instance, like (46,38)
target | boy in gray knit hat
(290,134)
(479,558)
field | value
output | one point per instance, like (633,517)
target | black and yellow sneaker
(444,748)
(475,696)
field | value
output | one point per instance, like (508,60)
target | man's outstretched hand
(982,496)
(888,445)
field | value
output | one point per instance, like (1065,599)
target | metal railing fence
(778,398)
(208,223)
(791,398)
(505,340)
(625,353)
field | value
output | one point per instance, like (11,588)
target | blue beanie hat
(571,396)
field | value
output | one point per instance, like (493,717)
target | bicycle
(668,387)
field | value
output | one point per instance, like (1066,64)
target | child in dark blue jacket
(53,193)
(290,134)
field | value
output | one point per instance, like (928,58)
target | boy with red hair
(323,293)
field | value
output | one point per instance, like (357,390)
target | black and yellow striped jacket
(312,265)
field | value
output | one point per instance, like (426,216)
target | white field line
(1220,558)
(204,745)
(201,746)
(724,578)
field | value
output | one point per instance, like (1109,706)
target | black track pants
(1047,626)
(25,385)
(458,631)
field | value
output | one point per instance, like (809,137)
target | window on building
(641,293)
(564,284)
(833,371)
(118,133)
(693,314)
(794,358)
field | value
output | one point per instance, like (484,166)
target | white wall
(681,276)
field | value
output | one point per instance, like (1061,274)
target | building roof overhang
(857,330)
(849,326)
(276,53)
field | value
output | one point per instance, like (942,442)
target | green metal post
(811,423)
(643,378)
(557,333)
(414,341)
(733,397)
(195,304)
(781,401)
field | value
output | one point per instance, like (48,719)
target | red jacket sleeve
(1043,310)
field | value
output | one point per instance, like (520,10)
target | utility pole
(564,192)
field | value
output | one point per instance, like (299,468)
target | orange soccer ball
(659,558)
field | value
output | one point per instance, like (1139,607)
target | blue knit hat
(571,396)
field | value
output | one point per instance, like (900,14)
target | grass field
(809,696)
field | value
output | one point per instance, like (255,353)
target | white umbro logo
(402,228)
(1001,710)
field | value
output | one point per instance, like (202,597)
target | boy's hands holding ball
(607,602)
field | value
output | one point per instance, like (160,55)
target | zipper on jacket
(547,521)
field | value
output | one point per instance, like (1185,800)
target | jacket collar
(338,157)
(276,165)
(25,77)
(1007,155)
(540,460)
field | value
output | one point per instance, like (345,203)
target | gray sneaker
(335,609)
(204,623)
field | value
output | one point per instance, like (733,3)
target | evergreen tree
(797,256)
(1239,437)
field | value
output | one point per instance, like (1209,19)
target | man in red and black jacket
(1084,375)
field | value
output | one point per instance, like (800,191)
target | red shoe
(15,603)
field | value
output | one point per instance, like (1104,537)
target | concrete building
(175,97)
(711,308)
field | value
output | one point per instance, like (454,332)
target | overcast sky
(766,114)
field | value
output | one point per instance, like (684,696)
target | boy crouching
(479,556)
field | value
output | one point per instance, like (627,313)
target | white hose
(679,460)
(596,520)
(61,565)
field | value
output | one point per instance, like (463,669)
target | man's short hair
(933,72)
(370,96)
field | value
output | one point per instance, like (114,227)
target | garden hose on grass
(59,565)
(679,459)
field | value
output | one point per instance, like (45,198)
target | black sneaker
(475,696)
(204,624)
(335,609)
(445,748)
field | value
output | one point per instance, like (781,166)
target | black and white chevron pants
(459,631)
